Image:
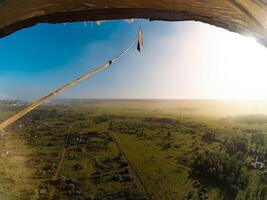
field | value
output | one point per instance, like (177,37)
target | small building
(43,191)
(256,164)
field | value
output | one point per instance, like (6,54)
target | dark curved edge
(124,13)
(99,14)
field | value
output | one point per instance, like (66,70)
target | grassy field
(135,149)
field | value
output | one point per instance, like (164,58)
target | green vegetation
(134,150)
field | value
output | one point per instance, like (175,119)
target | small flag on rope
(98,23)
(140,41)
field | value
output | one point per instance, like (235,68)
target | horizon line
(132,99)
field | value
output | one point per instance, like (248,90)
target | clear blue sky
(180,60)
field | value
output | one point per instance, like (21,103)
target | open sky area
(181,60)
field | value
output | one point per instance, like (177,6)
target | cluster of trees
(127,127)
(258,145)
(70,186)
(237,146)
(222,168)
(209,137)
(100,119)
(252,119)
(162,120)
(258,139)
(111,169)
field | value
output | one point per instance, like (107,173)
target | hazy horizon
(167,99)
(201,107)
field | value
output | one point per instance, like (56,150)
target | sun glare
(226,65)
(245,69)
(207,62)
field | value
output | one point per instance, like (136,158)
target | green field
(135,149)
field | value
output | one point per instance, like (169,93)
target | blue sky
(180,60)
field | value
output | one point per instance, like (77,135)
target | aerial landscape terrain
(135,149)
(162,111)
(133,100)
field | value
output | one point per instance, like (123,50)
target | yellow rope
(28,109)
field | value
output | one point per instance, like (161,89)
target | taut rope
(31,107)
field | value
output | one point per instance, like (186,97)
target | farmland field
(135,149)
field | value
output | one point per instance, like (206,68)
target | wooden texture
(248,17)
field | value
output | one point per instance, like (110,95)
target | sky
(181,60)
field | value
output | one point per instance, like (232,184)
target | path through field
(137,179)
(59,168)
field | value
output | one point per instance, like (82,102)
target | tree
(221,167)
(168,134)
